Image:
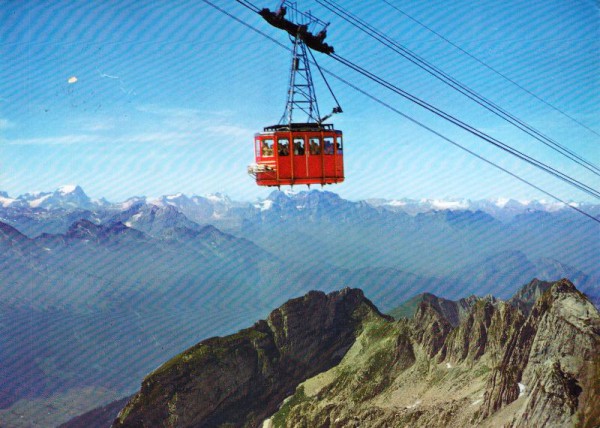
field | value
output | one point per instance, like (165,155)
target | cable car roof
(300,127)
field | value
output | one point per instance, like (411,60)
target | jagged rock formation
(451,311)
(531,361)
(484,332)
(241,379)
(556,353)
(431,328)
(525,298)
(505,364)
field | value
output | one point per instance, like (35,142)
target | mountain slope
(453,311)
(241,379)
(502,270)
(421,372)
(100,417)
(85,283)
(556,356)
(351,366)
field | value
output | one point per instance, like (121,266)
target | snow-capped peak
(217,197)
(501,202)
(396,203)
(264,205)
(175,196)
(67,188)
(5,200)
(39,201)
(440,204)
(65,197)
(127,204)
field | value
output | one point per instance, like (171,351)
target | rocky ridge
(500,366)
(555,353)
(524,362)
(240,380)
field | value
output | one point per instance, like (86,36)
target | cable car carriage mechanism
(309,152)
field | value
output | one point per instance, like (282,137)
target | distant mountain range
(72,197)
(441,235)
(86,284)
(65,197)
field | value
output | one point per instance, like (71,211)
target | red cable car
(299,153)
(309,152)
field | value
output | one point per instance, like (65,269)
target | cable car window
(299,146)
(328,141)
(267,147)
(315,146)
(339,145)
(283,147)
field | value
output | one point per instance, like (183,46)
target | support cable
(452,119)
(458,86)
(338,108)
(245,4)
(415,121)
(489,67)
(460,146)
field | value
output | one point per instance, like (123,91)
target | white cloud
(184,111)
(174,125)
(156,137)
(98,126)
(194,124)
(5,124)
(51,141)
(168,111)
(231,131)
(147,137)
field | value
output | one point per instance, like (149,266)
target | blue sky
(168,96)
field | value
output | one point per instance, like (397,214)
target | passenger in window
(284,148)
(315,146)
(328,146)
(339,145)
(299,147)
(267,150)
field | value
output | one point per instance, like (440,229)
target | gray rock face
(555,354)
(431,328)
(525,298)
(526,362)
(241,379)
(484,333)
(533,361)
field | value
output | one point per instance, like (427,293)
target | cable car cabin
(298,153)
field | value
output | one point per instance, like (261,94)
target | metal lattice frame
(301,92)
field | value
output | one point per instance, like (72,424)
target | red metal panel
(315,167)
(339,156)
(328,156)
(299,157)
(284,163)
